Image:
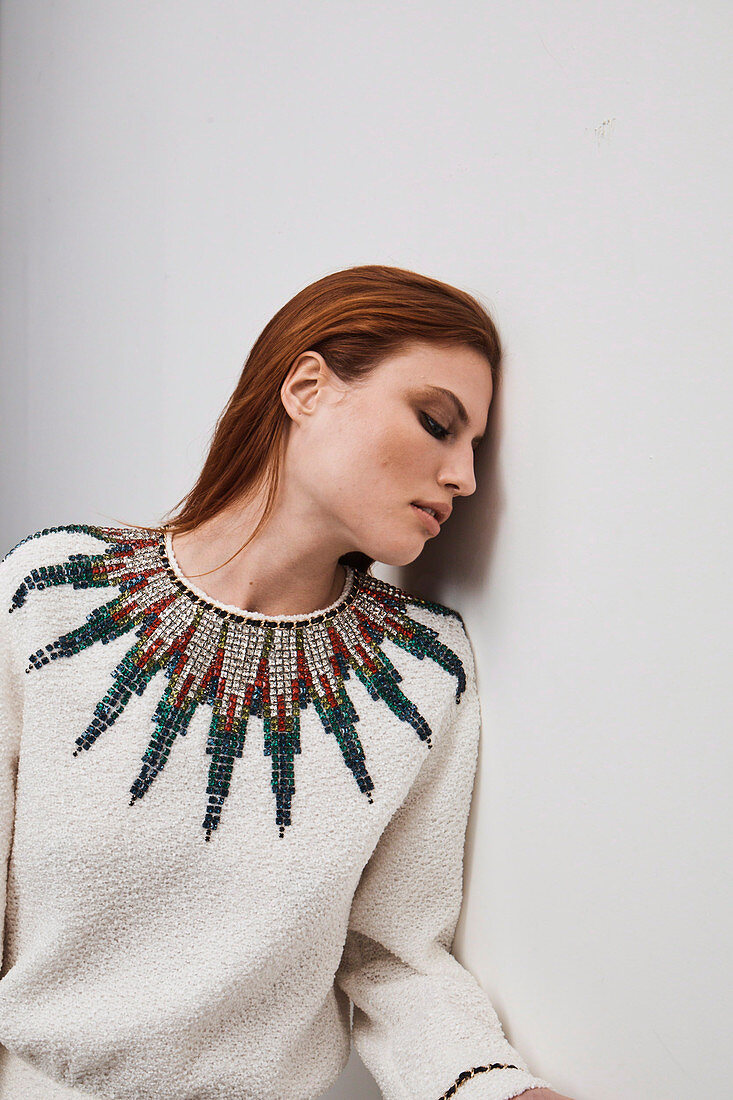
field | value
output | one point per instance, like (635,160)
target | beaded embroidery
(469,1073)
(237,664)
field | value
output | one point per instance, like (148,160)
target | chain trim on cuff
(469,1073)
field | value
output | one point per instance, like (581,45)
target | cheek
(390,466)
(396,470)
(403,454)
(373,472)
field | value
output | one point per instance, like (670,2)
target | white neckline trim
(240,611)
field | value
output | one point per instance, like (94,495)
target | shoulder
(427,627)
(39,541)
(39,554)
(441,617)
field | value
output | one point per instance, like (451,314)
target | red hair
(355,319)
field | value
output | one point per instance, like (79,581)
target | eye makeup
(434,427)
(431,394)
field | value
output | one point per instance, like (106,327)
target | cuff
(492,1084)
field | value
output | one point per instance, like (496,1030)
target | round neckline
(198,594)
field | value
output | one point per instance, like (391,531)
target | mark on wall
(604,130)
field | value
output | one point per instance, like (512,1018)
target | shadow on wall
(463,548)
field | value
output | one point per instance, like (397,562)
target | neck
(289,568)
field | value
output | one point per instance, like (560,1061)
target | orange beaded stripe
(469,1073)
(236,662)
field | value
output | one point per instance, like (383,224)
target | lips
(441,510)
(430,522)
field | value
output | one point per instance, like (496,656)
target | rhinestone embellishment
(236,664)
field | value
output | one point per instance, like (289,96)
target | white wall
(172,172)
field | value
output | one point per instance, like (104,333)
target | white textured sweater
(219,830)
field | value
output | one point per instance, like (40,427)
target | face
(361,457)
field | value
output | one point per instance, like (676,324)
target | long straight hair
(355,319)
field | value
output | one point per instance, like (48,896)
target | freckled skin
(355,455)
(361,453)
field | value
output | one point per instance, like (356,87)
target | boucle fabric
(220,831)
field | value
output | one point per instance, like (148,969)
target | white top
(219,830)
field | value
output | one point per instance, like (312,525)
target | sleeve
(10,724)
(422,1024)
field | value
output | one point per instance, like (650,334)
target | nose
(458,474)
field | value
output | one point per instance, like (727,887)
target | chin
(396,556)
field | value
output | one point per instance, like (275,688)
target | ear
(304,384)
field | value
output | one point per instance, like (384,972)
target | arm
(420,1018)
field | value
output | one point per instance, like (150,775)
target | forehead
(463,370)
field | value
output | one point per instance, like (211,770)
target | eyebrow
(457,405)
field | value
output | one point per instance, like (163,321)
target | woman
(331,727)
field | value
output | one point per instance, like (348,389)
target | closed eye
(434,428)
